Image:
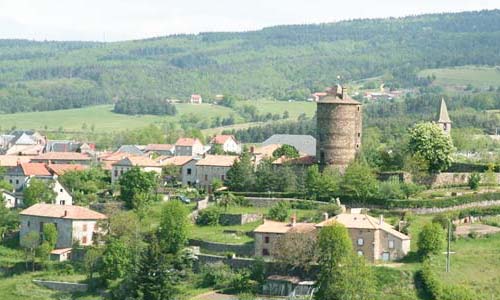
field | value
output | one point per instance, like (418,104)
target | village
(74,202)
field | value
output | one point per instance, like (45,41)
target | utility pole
(448,252)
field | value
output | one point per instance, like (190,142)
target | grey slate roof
(131,149)
(303,143)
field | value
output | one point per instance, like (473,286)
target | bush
(208,217)
(437,290)
(217,275)
(279,212)
(474,181)
(430,240)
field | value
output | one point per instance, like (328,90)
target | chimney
(325,216)
(381,219)
(293,220)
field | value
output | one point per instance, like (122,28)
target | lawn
(217,234)
(479,77)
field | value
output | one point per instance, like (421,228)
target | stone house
(189,147)
(144,163)
(211,167)
(227,142)
(63,158)
(186,165)
(371,237)
(74,224)
(269,232)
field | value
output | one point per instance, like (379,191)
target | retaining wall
(238,219)
(434,210)
(239,249)
(62,286)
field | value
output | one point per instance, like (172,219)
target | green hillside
(282,62)
(460,77)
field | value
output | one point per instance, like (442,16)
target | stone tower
(339,121)
(444,119)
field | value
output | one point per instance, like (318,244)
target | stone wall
(268,202)
(435,210)
(62,286)
(235,262)
(239,249)
(238,219)
(447,179)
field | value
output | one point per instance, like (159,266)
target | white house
(144,163)
(196,99)
(9,199)
(227,142)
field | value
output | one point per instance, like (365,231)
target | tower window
(322,156)
(359,134)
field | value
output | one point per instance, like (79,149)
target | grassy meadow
(478,77)
(103,119)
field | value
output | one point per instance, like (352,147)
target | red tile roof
(62,156)
(62,211)
(35,169)
(217,160)
(195,96)
(187,141)
(13,160)
(176,160)
(221,139)
(60,169)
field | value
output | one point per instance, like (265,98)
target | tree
(226,200)
(116,260)
(286,179)
(30,242)
(429,141)
(38,191)
(287,151)
(322,185)
(91,261)
(359,181)
(216,184)
(355,280)
(240,176)
(279,211)
(295,250)
(430,240)
(474,181)
(334,249)
(155,277)
(137,187)
(9,220)
(172,234)
(217,149)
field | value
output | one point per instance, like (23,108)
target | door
(386,256)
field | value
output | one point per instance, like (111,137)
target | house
(13,160)
(160,149)
(62,158)
(189,147)
(9,199)
(195,99)
(21,175)
(213,167)
(187,167)
(143,162)
(60,169)
(74,224)
(372,237)
(137,150)
(69,146)
(22,142)
(305,144)
(107,159)
(269,233)
(228,143)
(263,152)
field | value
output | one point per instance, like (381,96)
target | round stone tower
(339,121)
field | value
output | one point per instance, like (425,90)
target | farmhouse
(186,165)
(213,167)
(228,143)
(144,163)
(372,238)
(189,147)
(74,224)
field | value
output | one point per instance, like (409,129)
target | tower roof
(443,113)
(338,95)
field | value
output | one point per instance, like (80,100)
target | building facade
(142,162)
(213,167)
(339,123)
(189,147)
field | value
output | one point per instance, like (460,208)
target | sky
(115,20)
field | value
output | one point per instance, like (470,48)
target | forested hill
(280,62)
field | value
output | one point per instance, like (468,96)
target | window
(116,173)
(322,156)
(359,134)
(206,177)
(266,240)
(61,190)
(222,177)
(265,252)
(84,239)
(360,242)
(62,202)
(360,253)
(84,227)
(391,244)
(189,171)
(17,181)
(10,181)
(29,223)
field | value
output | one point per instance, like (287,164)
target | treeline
(282,62)
(145,107)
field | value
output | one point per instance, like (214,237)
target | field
(102,119)
(478,77)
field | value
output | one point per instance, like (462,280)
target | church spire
(444,119)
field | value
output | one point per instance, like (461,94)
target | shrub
(430,240)
(279,212)
(208,217)
(474,181)
(217,275)
(437,290)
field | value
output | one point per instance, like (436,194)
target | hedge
(440,203)
(435,289)
(470,168)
